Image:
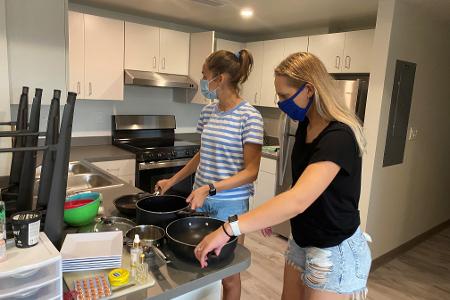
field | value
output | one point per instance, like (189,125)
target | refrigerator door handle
(283,132)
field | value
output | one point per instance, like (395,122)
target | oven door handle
(163,164)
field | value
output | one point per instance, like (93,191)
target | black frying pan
(183,235)
(127,204)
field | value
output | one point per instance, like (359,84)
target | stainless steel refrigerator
(354,88)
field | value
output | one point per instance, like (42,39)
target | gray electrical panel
(399,113)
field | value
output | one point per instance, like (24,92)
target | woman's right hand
(163,186)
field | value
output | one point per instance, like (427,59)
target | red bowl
(77,203)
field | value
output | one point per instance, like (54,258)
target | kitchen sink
(89,181)
(75,168)
(82,177)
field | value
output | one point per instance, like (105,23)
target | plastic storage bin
(31,273)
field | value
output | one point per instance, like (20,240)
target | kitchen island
(178,279)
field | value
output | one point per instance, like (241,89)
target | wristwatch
(233,221)
(212,189)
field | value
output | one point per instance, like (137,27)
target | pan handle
(160,254)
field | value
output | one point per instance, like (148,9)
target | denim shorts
(221,209)
(342,269)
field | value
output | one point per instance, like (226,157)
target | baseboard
(383,259)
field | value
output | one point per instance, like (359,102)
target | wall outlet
(413,132)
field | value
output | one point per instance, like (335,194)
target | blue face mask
(294,111)
(204,88)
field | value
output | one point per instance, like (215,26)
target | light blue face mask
(204,88)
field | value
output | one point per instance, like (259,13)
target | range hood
(147,78)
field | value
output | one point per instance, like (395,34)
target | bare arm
(165,184)
(252,158)
(312,183)
(187,170)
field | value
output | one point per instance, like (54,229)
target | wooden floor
(420,273)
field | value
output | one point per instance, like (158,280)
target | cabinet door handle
(164,63)
(348,61)
(275,99)
(78,87)
(254,99)
(90,88)
(154,62)
(337,64)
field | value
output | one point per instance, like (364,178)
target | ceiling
(270,16)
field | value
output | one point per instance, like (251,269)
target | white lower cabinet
(266,183)
(124,169)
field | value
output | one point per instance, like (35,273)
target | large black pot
(162,210)
(185,234)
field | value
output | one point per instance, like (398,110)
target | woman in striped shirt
(231,139)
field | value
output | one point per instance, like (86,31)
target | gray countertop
(178,277)
(99,153)
(271,155)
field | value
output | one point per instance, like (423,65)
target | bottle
(142,270)
(135,253)
(2,230)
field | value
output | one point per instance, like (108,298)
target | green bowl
(82,215)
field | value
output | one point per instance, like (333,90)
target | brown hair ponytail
(237,65)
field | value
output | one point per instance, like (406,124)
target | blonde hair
(302,67)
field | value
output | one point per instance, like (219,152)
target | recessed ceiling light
(246,12)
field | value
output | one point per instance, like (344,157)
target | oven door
(149,173)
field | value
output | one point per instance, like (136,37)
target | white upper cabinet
(141,47)
(231,46)
(273,55)
(251,90)
(104,51)
(96,51)
(36,37)
(329,48)
(202,45)
(174,52)
(358,51)
(76,53)
(295,44)
(344,52)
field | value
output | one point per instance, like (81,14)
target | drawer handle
(348,61)
(28,293)
(338,62)
(25,274)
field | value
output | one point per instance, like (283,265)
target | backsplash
(93,117)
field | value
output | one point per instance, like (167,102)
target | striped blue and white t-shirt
(223,135)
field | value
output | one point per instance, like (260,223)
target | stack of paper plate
(92,251)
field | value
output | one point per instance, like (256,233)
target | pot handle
(191,213)
(160,254)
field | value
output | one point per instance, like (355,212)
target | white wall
(4,90)
(411,198)
(93,118)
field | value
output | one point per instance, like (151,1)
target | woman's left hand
(198,196)
(212,242)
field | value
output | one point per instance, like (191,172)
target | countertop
(178,277)
(99,153)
